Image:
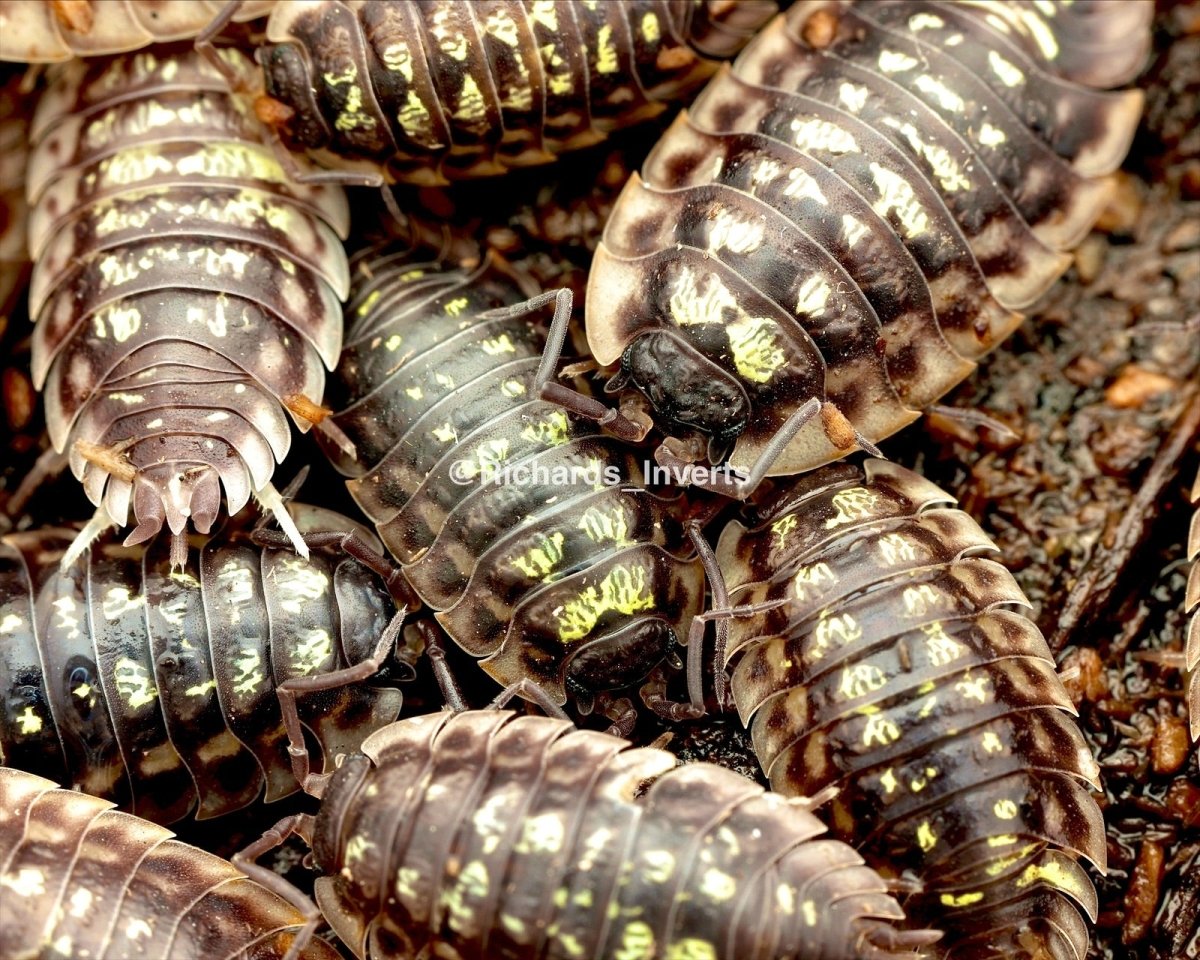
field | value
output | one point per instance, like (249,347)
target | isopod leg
(300,824)
(530,691)
(314,784)
(204,44)
(317,415)
(436,651)
(720,599)
(623,715)
(744,485)
(654,695)
(547,386)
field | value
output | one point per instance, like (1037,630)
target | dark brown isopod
(566,572)
(879,655)
(78,879)
(484,835)
(845,221)
(153,685)
(443,89)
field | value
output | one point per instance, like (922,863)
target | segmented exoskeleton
(82,880)
(185,292)
(486,835)
(1191,604)
(443,89)
(843,223)
(566,572)
(153,686)
(876,654)
(47,31)
(14,150)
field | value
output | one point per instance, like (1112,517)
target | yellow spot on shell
(29,722)
(889,781)
(1005,809)
(808,910)
(920,601)
(854,503)
(512,388)
(926,838)
(201,689)
(541,559)
(132,681)
(960,900)
(83,691)
(650,28)
(782,527)
(137,929)
(456,306)
(756,350)
(991,743)
(27,882)
(894,549)
(600,525)
(498,345)
(691,948)
(550,432)
(860,679)
(660,864)
(606,50)
(541,834)
(878,729)
(637,942)
(718,885)
(624,589)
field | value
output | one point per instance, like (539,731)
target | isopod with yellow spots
(906,678)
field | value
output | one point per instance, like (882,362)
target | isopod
(153,685)
(844,222)
(486,835)
(48,31)
(79,879)
(444,89)
(186,294)
(571,575)
(877,653)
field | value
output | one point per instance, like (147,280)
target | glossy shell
(1191,604)
(14,151)
(853,213)
(896,667)
(82,880)
(155,688)
(47,31)
(183,287)
(576,577)
(443,89)
(485,835)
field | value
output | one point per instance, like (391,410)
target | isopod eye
(685,387)
(620,658)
